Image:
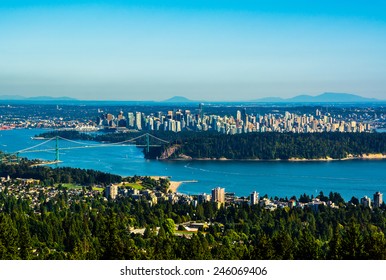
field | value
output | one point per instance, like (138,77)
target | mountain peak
(178,99)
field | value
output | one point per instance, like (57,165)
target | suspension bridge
(42,147)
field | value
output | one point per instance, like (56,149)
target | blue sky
(213,50)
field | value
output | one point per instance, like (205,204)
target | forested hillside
(101,230)
(272,145)
(50,176)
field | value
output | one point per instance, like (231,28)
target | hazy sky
(201,49)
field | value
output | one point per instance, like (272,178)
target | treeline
(50,176)
(98,229)
(273,145)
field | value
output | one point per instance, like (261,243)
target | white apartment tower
(138,120)
(254,198)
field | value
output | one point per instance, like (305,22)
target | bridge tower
(57,149)
(147,142)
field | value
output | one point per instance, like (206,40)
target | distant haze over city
(201,50)
(328,97)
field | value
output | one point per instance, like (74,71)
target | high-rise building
(138,120)
(173,126)
(111,191)
(178,115)
(244,116)
(166,125)
(378,199)
(130,119)
(201,110)
(110,117)
(254,198)
(203,198)
(178,126)
(218,195)
(151,124)
(120,116)
(238,115)
(366,201)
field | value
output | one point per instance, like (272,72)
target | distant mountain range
(327,97)
(37,98)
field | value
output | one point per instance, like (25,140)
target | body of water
(275,178)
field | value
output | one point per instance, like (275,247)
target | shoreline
(174,185)
(377,156)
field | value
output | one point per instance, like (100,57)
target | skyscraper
(201,110)
(138,120)
(218,195)
(378,199)
(238,115)
(130,119)
(244,116)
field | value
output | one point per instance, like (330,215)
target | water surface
(275,178)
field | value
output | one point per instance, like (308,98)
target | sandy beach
(174,186)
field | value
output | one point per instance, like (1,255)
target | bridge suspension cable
(110,144)
(33,147)
(83,147)
(159,139)
(87,145)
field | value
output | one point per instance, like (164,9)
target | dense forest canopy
(50,176)
(99,229)
(271,145)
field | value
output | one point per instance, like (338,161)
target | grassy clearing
(69,186)
(98,189)
(133,185)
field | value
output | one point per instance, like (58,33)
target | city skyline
(99,50)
